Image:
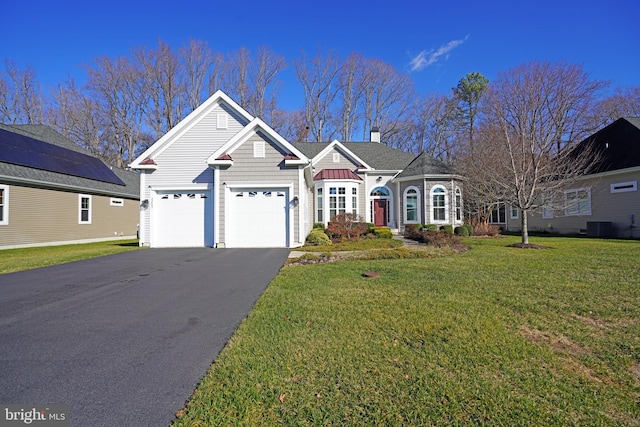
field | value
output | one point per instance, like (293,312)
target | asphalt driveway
(124,339)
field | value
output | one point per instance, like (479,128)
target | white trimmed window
(411,204)
(624,187)
(320,205)
(354,200)
(439,204)
(4,205)
(458,205)
(578,202)
(515,212)
(84,209)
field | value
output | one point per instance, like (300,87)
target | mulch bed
(526,246)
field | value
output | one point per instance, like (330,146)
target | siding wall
(184,162)
(605,206)
(247,168)
(39,216)
(327,162)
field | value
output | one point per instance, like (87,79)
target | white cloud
(427,58)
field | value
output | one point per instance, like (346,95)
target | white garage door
(257,218)
(182,219)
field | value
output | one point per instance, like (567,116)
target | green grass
(12,260)
(494,336)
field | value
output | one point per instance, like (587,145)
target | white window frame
(445,193)
(5,205)
(514,213)
(323,201)
(569,207)
(624,187)
(115,201)
(417,207)
(80,208)
(458,205)
(258,149)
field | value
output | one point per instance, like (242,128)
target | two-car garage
(253,217)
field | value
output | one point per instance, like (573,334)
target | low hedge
(317,237)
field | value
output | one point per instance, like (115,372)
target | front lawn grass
(12,260)
(495,336)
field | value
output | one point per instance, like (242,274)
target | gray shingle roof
(425,165)
(131,189)
(376,155)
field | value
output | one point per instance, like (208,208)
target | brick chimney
(375,134)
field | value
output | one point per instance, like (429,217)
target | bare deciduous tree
(198,64)
(528,109)
(118,88)
(21,99)
(318,77)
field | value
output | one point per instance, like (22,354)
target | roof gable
(224,154)
(373,155)
(425,165)
(217,99)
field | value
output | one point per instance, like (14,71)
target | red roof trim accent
(225,156)
(336,174)
(148,161)
(291,157)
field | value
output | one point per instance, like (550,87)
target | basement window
(624,187)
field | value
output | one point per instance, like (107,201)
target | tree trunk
(525,228)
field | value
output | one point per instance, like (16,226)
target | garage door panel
(258,218)
(181,219)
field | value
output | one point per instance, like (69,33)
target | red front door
(380,212)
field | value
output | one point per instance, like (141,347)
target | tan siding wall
(39,216)
(247,168)
(605,206)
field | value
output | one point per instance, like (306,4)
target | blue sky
(436,42)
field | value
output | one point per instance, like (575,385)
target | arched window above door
(380,192)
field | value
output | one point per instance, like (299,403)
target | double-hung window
(439,204)
(337,201)
(320,205)
(84,209)
(4,205)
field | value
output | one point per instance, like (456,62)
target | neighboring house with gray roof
(54,192)
(605,201)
